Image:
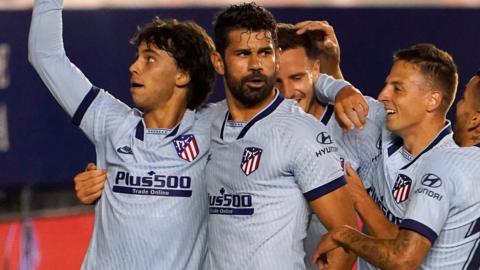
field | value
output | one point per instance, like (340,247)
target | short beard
(249,97)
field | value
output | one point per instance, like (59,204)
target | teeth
(390,111)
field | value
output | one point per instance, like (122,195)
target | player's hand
(325,245)
(326,41)
(351,108)
(355,185)
(328,245)
(89,184)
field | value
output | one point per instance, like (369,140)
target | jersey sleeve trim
(86,102)
(325,189)
(413,225)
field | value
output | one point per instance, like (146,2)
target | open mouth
(136,85)
(255,82)
(390,112)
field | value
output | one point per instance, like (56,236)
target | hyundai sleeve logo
(324,138)
(431,180)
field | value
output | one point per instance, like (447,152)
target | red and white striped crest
(402,188)
(251,159)
(186,147)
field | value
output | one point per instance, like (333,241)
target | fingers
(349,169)
(342,118)
(89,184)
(351,104)
(91,166)
(305,26)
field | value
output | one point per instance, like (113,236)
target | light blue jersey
(444,207)
(394,174)
(153,210)
(391,176)
(260,176)
(358,147)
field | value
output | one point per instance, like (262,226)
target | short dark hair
(249,16)
(190,46)
(289,39)
(437,65)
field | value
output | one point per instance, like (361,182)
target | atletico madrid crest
(186,147)
(251,159)
(402,188)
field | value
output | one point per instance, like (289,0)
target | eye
(150,59)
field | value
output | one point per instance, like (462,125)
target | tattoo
(407,250)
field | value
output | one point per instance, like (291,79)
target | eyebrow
(297,74)
(149,51)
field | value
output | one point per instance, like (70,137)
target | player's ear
(217,62)
(434,100)
(475,123)
(182,78)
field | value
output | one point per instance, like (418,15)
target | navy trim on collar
(329,109)
(262,115)
(83,107)
(139,130)
(446,130)
(395,146)
(478,145)
(174,131)
(227,115)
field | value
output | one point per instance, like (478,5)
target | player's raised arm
(47,55)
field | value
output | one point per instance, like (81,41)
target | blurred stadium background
(42,226)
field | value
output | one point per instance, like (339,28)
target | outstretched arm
(372,217)
(47,55)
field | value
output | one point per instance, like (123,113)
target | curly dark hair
(249,16)
(437,65)
(190,46)
(289,39)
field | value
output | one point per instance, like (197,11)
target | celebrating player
(155,158)
(441,226)
(267,158)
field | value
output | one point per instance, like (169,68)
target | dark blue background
(46,149)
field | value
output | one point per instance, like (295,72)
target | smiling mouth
(390,112)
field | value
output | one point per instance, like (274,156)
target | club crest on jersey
(186,146)
(402,188)
(251,160)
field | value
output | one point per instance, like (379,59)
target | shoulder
(297,125)
(210,110)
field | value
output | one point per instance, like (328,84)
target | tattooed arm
(407,251)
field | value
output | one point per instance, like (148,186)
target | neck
(316,109)
(415,141)
(166,115)
(239,112)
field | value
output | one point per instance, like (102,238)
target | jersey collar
(182,126)
(262,114)
(442,134)
(327,114)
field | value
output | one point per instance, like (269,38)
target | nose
(134,67)
(254,62)
(384,94)
(288,90)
